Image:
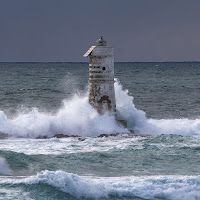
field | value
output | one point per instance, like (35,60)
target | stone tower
(101,77)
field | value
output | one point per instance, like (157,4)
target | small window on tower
(103,68)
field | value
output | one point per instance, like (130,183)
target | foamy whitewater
(78,117)
(160,187)
(39,100)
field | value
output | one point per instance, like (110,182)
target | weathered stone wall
(101,79)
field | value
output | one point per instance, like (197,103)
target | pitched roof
(89,51)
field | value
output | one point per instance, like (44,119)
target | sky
(63,30)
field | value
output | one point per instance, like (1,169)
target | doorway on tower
(104,104)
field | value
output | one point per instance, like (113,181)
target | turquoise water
(43,99)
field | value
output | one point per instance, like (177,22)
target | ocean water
(160,101)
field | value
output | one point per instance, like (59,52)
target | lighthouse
(101,77)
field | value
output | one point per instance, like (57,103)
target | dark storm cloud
(62,30)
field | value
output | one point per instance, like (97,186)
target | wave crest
(152,187)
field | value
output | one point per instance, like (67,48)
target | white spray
(78,117)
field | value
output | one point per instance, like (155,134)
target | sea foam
(78,117)
(147,187)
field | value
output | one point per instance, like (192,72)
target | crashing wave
(149,187)
(78,117)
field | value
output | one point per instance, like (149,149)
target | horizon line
(87,62)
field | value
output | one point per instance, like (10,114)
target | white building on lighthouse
(101,77)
